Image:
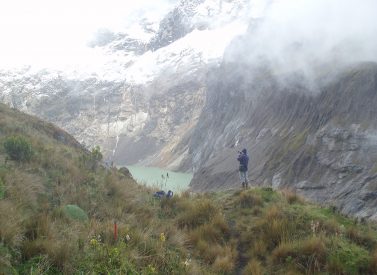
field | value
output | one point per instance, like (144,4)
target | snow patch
(197,48)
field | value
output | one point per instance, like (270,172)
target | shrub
(75,212)
(96,154)
(95,157)
(92,159)
(353,259)
(18,148)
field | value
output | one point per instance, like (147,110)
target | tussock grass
(11,230)
(197,214)
(254,267)
(249,200)
(291,196)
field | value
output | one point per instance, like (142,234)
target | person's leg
(242,179)
(246,179)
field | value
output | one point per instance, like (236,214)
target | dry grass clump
(11,229)
(361,238)
(313,253)
(330,227)
(170,206)
(225,264)
(198,213)
(310,254)
(274,227)
(249,200)
(258,248)
(216,231)
(23,188)
(254,267)
(59,252)
(373,262)
(209,252)
(291,196)
(283,253)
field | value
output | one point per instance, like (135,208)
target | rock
(353,206)
(307,185)
(276,181)
(125,171)
(264,133)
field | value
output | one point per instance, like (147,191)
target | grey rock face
(129,125)
(321,144)
(176,24)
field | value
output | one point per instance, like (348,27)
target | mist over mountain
(185,84)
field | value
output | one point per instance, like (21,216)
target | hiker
(170,194)
(159,194)
(243,158)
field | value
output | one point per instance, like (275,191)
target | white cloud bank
(299,34)
(45,32)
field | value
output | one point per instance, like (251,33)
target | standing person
(243,158)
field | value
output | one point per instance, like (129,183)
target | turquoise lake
(161,178)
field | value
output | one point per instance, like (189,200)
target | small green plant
(75,212)
(18,148)
(96,154)
(92,159)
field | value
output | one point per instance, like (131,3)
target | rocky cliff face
(129,124)
(320,143)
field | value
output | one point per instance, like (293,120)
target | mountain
(188,91)
(149,91)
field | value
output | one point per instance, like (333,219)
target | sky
(57,31)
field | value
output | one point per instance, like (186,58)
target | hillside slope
(58,206)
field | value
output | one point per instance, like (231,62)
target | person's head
(244,151)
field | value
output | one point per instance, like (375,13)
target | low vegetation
(59,210)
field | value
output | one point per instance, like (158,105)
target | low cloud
(301,36)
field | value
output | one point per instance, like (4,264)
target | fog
(306,35)
(49,33)
(294,35)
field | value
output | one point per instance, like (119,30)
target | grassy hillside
(58,206)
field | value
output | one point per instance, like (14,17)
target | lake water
(161,178)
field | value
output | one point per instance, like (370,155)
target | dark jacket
(243,158)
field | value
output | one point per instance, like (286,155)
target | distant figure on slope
(243,158)
(169,194)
